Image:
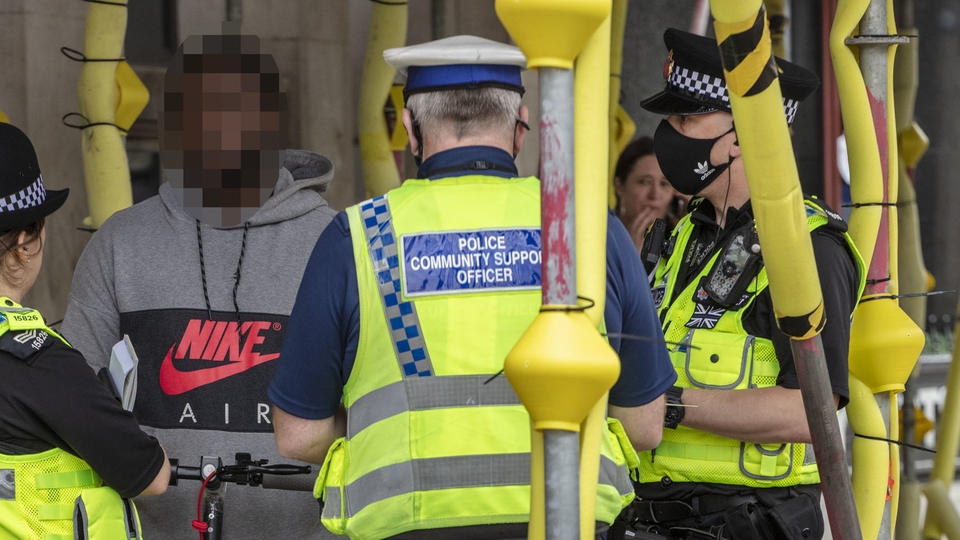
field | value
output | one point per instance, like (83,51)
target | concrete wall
(37,87)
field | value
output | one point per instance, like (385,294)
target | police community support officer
(737,457)
(58,423)
(409,305)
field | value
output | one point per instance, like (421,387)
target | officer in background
(736,461)
(409,305)
(59,424)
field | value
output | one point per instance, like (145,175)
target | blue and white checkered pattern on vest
(402,319)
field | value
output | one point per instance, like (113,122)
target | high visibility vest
(54,495)
(712,350)
(434,438)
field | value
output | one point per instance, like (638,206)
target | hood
(303,178)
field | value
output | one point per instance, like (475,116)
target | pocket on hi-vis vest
(470,261)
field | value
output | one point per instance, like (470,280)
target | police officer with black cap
(62,473)
(735,461)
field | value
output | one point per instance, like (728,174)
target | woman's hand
(638,225)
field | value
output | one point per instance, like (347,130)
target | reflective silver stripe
(425,393)
(331,502)
(446,473)
(618,477)
(402,320)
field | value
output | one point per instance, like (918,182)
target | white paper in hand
(123,371)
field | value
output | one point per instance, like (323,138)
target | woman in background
(643,192)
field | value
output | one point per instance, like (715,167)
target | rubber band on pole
(78,56)
(89,124)
(579,307)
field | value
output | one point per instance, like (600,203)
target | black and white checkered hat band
(28,197)
(711,90)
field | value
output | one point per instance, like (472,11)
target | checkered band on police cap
(32,195)
(23,197)
(695,81)
(707,88)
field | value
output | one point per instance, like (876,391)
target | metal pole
(561,448)
(873,65)
(825,432)
(561,463)
(556,176)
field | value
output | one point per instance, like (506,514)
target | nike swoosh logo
(174,382)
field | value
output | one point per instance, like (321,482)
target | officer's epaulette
(25,334)
(818,206)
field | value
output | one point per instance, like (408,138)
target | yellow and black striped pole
(756,100)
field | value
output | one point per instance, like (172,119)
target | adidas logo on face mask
(703,169)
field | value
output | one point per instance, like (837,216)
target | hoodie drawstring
(203,273)
(236,274)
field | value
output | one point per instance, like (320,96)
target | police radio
(653,245)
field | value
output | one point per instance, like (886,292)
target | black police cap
(695,83)
(23,198)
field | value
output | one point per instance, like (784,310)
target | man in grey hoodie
(203,277)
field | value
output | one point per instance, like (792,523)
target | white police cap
(458,62)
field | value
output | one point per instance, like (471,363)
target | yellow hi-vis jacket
(723,356)
(434,438)
(54,495)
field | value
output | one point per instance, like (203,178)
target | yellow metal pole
(913,274)
(591,151)
(388,29)
(105,168)
(777,200)
(865,187)
(940,511)
(885,342)
(561,367)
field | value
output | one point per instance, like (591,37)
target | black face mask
(686,161)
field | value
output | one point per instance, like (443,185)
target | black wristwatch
(675,410)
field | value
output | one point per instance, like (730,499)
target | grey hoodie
(206,310)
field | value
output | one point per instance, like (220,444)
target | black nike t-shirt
(53,399)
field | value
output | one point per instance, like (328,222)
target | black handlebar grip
(290,482)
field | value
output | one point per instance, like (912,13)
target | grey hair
(466,111)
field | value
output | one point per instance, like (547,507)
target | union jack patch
(658,295)
(705,316)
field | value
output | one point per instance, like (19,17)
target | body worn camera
(735,268)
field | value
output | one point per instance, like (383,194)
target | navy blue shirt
(323,331)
